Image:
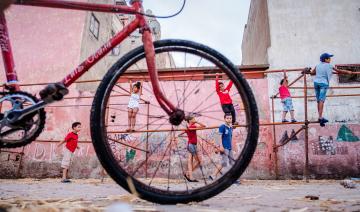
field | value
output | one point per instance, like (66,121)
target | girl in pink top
(286,100)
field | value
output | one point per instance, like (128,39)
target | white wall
(300,31)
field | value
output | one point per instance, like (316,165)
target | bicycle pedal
(53,92)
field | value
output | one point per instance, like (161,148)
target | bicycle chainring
(24,131)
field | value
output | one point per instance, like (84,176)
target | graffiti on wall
(346,135)
(285,137)
(327,146)
(49,151)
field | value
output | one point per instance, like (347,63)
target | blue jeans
(287,104)
(320,91)
(192,149)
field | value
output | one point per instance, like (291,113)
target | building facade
(292,34)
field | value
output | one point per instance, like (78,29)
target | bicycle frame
(138,23)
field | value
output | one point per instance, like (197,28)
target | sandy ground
(94,195)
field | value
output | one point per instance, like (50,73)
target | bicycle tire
(99,135)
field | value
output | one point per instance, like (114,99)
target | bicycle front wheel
(152,161)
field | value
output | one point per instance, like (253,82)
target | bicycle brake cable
(168,16)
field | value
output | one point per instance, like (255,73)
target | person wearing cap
(324,71)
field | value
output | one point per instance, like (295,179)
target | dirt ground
(93,195)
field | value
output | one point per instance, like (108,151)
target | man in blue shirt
(323,72)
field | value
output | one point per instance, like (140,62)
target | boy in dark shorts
(225,98)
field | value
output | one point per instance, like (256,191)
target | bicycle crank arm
(17,115)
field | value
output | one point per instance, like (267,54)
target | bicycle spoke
(201,168)
(133,147)
(134,172)
(189,81)
(181,165)
(202,102)
(151,133)
(211,160)
(196,87)
(211,105)
(174,82)
(159,164)
(216,147)
(162,124)
(169,162)
(123,110)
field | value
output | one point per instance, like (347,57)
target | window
(120,2)
(116,50)
(94,26)
(353,78)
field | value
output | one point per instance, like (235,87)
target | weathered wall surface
(45,42)
(256,39)
(333,152)
(299,31)
(299,36)
(43,158)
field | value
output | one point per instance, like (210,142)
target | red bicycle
(157,174)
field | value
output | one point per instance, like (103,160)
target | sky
(218,24)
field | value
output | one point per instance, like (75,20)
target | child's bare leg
(129,118)
(133,118)
(284,115)
(198,162)
(292,115)
(320,108)
(190,165)
(64,174)
(217,170)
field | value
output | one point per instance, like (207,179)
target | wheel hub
(177,117)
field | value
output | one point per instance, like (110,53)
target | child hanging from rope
(192,147)
(286,99)
(225,99)
(133,106)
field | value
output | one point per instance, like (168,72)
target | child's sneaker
(237,182)
(284,121)
(66,181)
(324,120)
(293,120)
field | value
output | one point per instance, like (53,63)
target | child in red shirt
(286,100)
(225,99)
(71,140)
(192,147)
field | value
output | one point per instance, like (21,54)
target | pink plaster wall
(329,157)
(343,161)
(45,42)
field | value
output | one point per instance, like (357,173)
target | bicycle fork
(176,115)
